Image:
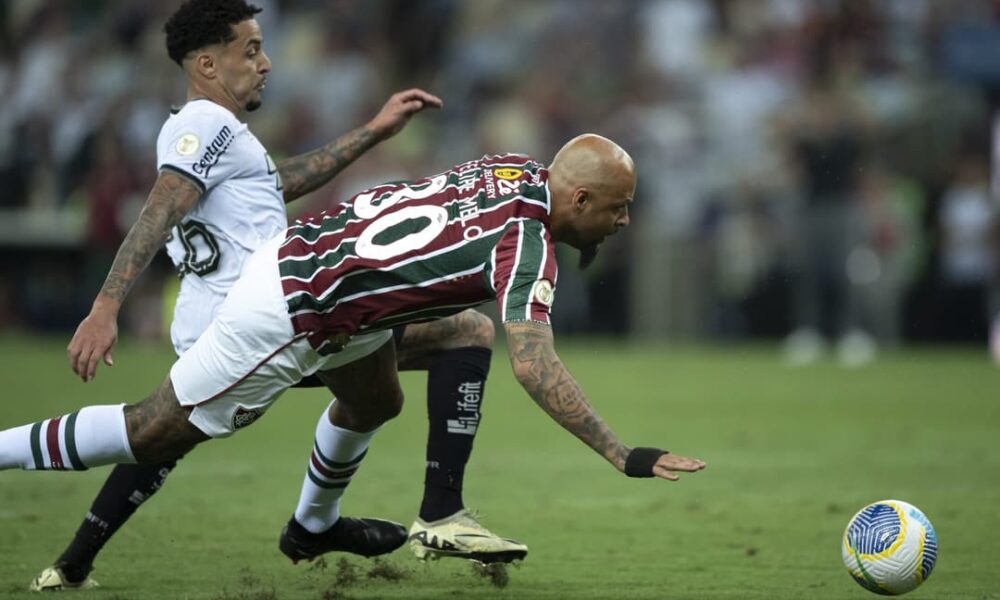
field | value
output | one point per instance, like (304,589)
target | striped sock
(336,455)
(91,437)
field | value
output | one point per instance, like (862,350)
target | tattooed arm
(171,198)
(543,376)
(539,370)
(307,172)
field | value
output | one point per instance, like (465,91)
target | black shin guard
(456,381)
(126,488)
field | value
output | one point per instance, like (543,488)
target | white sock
(336,455)
(91,437)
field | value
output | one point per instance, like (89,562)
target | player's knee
(155,444)
(368,415)
(158,430)
(392,406)
(477,329)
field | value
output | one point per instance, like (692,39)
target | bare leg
(158,427)
(422,342)
(367,391)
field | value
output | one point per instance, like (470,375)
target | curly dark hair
(200,23)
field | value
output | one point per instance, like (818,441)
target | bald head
(591,182)
(594,162)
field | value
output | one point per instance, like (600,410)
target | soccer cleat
(367,537)
(52,579)
(462,536)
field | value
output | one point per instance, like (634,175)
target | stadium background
(712,98)
(716,100)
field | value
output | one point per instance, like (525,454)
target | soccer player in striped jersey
(221,196)
(321,299)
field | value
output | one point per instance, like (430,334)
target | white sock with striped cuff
(336,455)
(91,437)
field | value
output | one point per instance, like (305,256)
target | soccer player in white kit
(218,197)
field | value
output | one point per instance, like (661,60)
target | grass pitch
(792,454)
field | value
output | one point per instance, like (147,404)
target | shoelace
(472,517)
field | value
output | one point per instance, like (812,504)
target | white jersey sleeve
(241,207)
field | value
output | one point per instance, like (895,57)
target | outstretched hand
(93,340)
(668,463)
(398,109)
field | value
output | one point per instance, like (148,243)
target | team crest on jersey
(188,144)
(507,173)
(244,417)
(542,292)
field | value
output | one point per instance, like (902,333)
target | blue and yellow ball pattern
(890,547)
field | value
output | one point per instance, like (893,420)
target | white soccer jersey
(242,207)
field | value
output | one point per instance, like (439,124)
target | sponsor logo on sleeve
(213,151)
(543,293)
(188,144)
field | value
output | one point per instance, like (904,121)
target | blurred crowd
(813,171)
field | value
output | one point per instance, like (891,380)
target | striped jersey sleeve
(522,271)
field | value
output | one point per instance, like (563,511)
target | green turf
(791,454)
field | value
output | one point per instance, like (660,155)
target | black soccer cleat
(366,537)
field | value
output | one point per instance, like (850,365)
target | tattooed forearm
(171,198)
(307,172)
(539,370)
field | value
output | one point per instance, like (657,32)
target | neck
(196,91)
(558,214)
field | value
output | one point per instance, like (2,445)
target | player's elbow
(524,375)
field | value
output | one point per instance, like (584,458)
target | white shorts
(249,355)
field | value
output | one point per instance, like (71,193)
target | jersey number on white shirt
(201,250)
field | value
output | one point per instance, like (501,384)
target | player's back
(410,251)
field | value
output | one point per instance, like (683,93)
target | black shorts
(312,381)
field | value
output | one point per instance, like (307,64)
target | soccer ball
(889,547)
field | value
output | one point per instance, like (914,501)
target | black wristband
(640,461)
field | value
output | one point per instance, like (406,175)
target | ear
(581,196)
(204,63)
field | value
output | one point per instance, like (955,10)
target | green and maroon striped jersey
(414,251)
